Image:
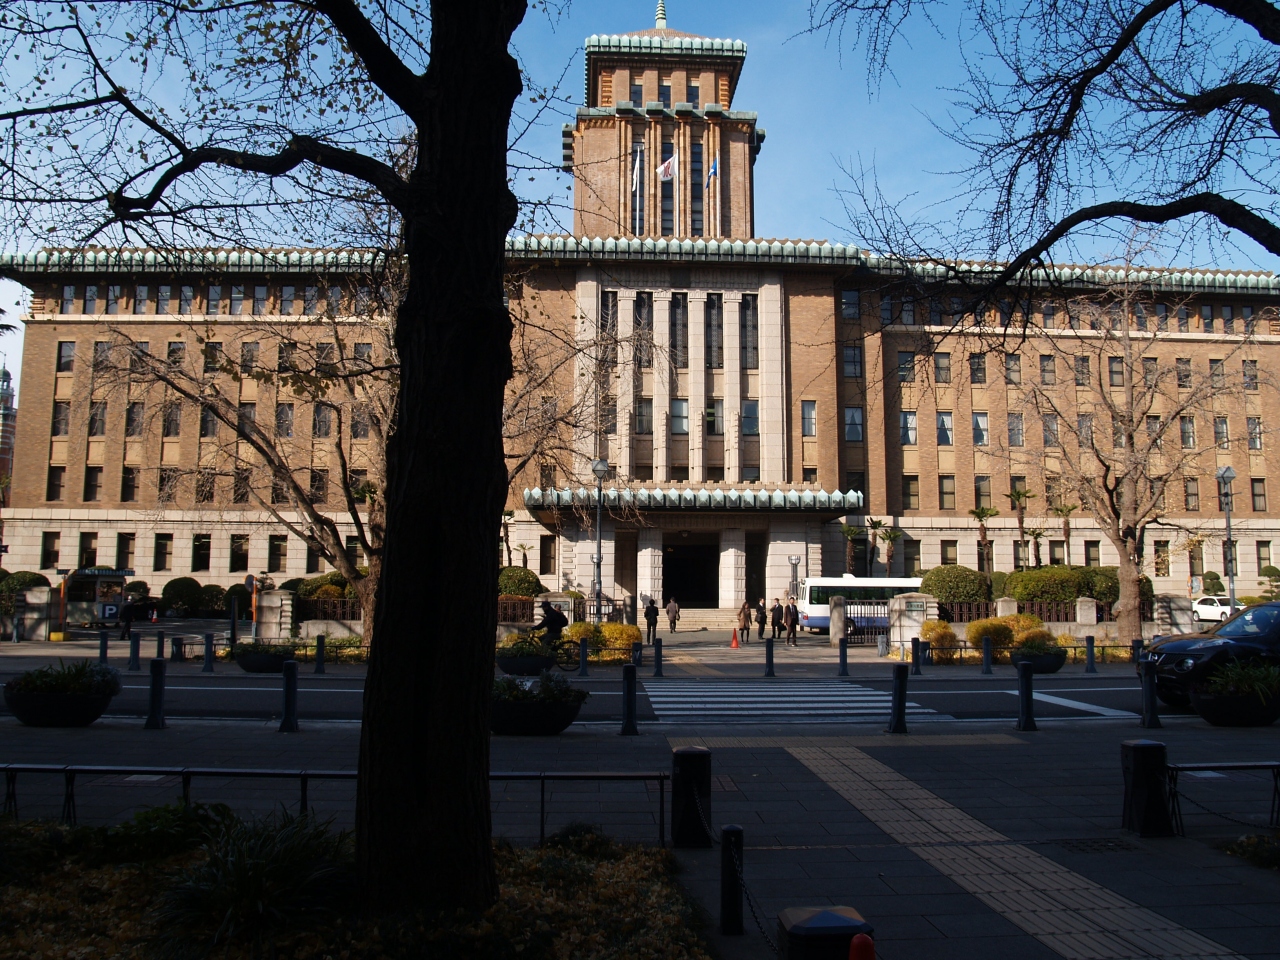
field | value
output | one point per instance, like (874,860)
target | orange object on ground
(734,645)
(862,947)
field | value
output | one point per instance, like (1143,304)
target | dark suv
(1252,634)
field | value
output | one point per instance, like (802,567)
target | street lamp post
(1225,476)
(795,574)
(601,469)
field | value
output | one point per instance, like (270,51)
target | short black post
(691,797)
(1150,710)
(768,657)
(657,656)
(320,653)
(1089,664)
(637,654)
(582,657)
(176,651)
(289,722)
(986,655)
(160,644)
(915,656)
(234,635)
(135,651)
(155,711)
(629,728)
(1146,799)
(844,656)
(102,646)
(1136,647)
(1026,698)
(208,654)
(730,882)
(898,711)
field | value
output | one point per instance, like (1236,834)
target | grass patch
(178,884)
(1259,849)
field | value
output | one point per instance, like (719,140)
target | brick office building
(749,394)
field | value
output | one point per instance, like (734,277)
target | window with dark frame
(129,485)
(61,423)
(239,553)
(54,483)
(201,552)
(162,552)
(277,553)
(206,482)
(1258,491)
(167,485)
(241,481)
(92,484)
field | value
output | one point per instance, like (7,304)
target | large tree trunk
(1129,607)
(422,817)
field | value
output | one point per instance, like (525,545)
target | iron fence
(315,608)
(516,611)
(1146,612)
(966,612)
(1050,611)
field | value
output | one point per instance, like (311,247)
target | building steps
(698,619)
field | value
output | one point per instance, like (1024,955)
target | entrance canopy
(706,499)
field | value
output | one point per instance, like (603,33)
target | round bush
(182,594)
(333,578)
(23,580)
(955,584)
(330,591)
(137,588)
(1044,585)
(942,640)
(1036,636)
(213,597)
(520,581)
(293,585)
(244,601)
(1021,622)
(620,634)
(996,628)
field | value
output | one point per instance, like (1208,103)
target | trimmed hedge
(620,634)
(1047,584)
(520,581)
(942,640)
(18,581)
(1000,632)
(998,580)
(333,578)
(953,583)
(213,597)
(181,594)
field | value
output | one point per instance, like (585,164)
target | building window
(855,481)
(101,356)
(1048,370)
(1084,429)
(886,309)
(61,425)
(981,430)
(240,484)
(285,357)
(1253,426)
(853,425)
(313,560)
(946,492)
(1049,429)
(679,416)
(1082,371)
(213,357)
(911,558)
(1182,372)
(360,420)
(92,484)
(679,324)
(208,424)
(277,553)
(54,483)
(1115,371)
(246,417)
(162,556)
(205,482)
(1057,552)
(809,475)
(696,183)
(1206,318)
(1187,430)
(129,485)
(322,421)
(1258,490)
(750,473)
(88,550)
(981,492)
(1250,375)
(1020,555)
(318,488)
(115,293)
(239,559)
(124,551)
(1162,318)
(850,304)
(68,299)
(1221,434)
(133,414)
(950,552)
(715,418)
(713,324)
(946,428)
(1263,549)
(643,313)
(546,555)
(1015,430)
(1217,374)
(1195,561)
(906,366)
(259,300)
(201,552)
(750,418)
(49,550)
(172,422)
(1012,368)
(1150,371)
(942,368)
(644,416)
(910,493)
(808,418)
(1162,558)
(66,362)
(98,418)
(907,428)
(1093,553)
(176,353)
(977,368)
(284,420)
(167,485)
(1191,494)
(853,362)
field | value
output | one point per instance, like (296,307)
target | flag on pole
(635,172)
(715,171)
(667,171)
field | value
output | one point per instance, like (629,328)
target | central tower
(658,150)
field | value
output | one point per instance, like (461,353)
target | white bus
(814,601)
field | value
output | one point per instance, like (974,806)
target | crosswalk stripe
(717,699)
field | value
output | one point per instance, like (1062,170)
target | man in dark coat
(776,613)
(553,622)
(791,617)
(762,618)
(651,620)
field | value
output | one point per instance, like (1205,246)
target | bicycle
(566,655)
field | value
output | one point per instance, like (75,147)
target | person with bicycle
(552,625)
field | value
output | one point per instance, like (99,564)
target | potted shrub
(62,696)
(518,710)
(1239,694)
(262,657)
(1038,648)
(524,656)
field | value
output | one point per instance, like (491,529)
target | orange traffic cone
(734,645)
(862,947)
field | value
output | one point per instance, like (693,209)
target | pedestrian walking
(744,622)
(127,614)
(776,615)
(673,613)
(791,617)
(761,618)
(651,620)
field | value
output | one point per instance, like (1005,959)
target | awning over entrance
(707,499)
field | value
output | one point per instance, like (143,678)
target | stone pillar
(732,388)
(42,610)
(275,614)
(812,566)
(626,383)
(587,383)
(907,614)
(1173,615)
(697,387)
(1006,607)
(1086,611)
(774,408)
(836,629)
(786,539)
(733,568)
(649,565)
(662,387)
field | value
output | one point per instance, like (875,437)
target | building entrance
(691,571)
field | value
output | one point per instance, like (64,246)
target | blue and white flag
(715,171)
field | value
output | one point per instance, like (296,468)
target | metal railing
(516,611)
(314,608)
(1050,611)
(966,612)
(304,778)
(1146,612)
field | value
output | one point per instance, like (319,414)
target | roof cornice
(143,259)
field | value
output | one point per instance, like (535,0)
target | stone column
(626,380)
(786,539)
(1006,607)
(907,614)
(774,419)
(733,388)
(662,387)
(697,386)
(649,565)
(1086,611)
(733,567)
(586,382)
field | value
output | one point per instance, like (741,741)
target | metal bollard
(657,656)
(102,646)
(629,728)
(160,644)
(582,657)
(768,657)
(926,653)
(135,650)
(234,635)
(844,656)
(1150,707)
(208,654)
(898,711)
(730,883)
(691,797)
(637,654)
(155,711)
(1146,775)
(176,650)
(986,655)
(915,656)
(320,653)
(1136,647)
(1026,699)
(1089,664)
(289,722)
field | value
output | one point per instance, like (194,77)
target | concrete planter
(1235,710)
(1040,662)
(56,709)
(531,718)
(531,666)
(254,662)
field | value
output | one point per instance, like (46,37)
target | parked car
(1252,635)
(1214,608)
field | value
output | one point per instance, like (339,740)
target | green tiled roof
(688,498)
(680,46)
(142,259)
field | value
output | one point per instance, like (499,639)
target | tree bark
(422,817)
(1129,608)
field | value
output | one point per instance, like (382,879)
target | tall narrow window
(1206,318)
(981,430)
(680,331)
(92,484)
(277,553)
(942,368)
(1082,371)
(1250,375)
(213,357)
(853,425)
(239,558)
(133,415)
(608,332)
(1162,318)
(1221,433)
(115,293)
(167,485)
(98,418)
(946,428)
(1253,427)
(246,417)
(141,295)
(644,422)
(1162,558)
(68,299)
(1150,371)
(129,484)
(259,300)
(1115,371)
(850,304)
(981,491)
(318,491)
(208,423)
(907,424)
(947,492)
(288,296)
(1016,435)
(322,420)
(668,192)
(1084,429)
(906,366)
(206,482)
(124,550)
(977,368)
(910,493)
(61,425)
(808,418)
(186,300)
(638,187)
(172,422)
(1050,425)
(751,418)
(49,553)
(1258,491)
(310,300)
(852,361)
(237,299)
(714,331)
(679,416)
(201,552)
(1012,368)
(66,361)
(715,418)
(1191,494)
(1228,320)
(1217,374)
(696,186)
(91,298)
(1048,370)
(249,357)
(644,330)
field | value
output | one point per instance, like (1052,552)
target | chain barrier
(742,882)
(1215,813)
